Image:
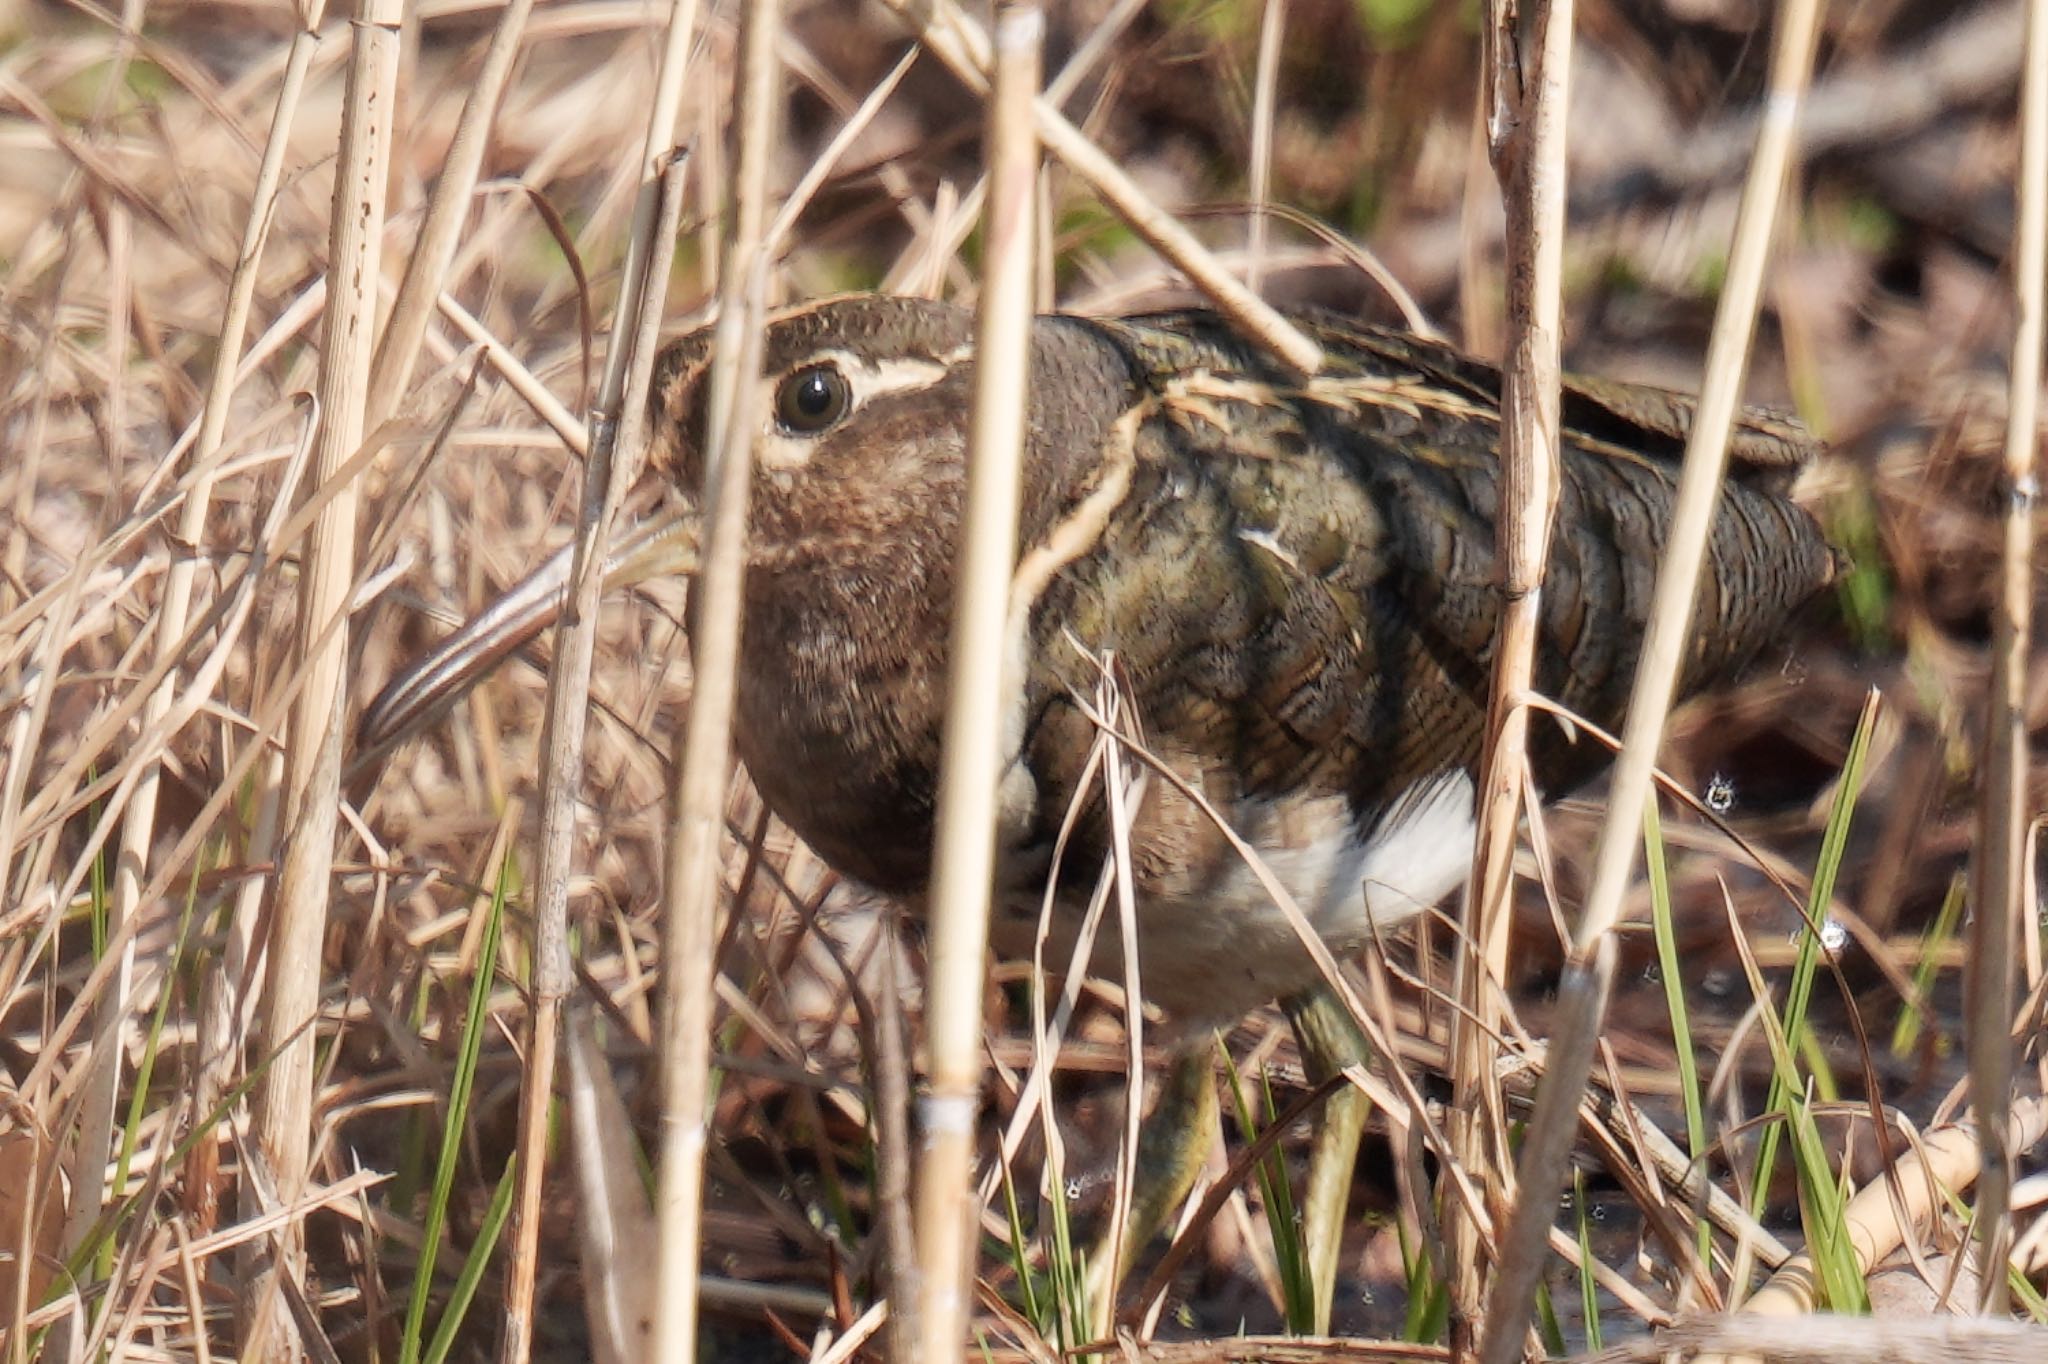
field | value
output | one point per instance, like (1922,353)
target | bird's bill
(665,546)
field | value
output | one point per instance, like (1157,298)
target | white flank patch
(1214,955)
(1349,887)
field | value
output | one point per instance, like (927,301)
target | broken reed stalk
(284,1109)
(1904,1201)
(1589,971)
(1527,139)
(447,214)
(982,730)
(1997,913)
(692,866)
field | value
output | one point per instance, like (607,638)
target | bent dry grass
(153,515)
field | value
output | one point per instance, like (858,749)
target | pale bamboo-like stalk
(692,867)
(1996,909)
(1904,1201)
(447,211)
(940,232)
(1527,138)
(654,153)
(1589,972)
(284,1117)
(958,41)
(985,675)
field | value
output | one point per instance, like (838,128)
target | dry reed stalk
(284,1116)
(1526,106)
(613,464)
(1827,1338)
(1998,912)
(692,878)
(1589,971)
(984,672)
(655,148)
(947,223)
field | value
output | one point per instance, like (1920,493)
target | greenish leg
(1173,1144)
(1330,1041)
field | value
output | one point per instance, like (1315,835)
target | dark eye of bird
(812,399)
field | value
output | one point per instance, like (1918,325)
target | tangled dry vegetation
(149,603)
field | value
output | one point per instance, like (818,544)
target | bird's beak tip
(663,546)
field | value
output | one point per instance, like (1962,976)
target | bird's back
(1299,590)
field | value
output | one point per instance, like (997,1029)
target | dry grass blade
(982,730)
(1266,81)
(615,1225)
(222,1000)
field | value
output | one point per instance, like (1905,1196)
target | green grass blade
(459,1091)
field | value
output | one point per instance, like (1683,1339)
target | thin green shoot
(145,1070)
(1916,1013)
(1589,1287)
(1690,1093)
(1029,1301)
(473,1267)
(1785,1081)
(460,1088)
(1290,1249)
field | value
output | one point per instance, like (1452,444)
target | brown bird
(1294,577)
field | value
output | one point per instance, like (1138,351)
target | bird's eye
(812,399)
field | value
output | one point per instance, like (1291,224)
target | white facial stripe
(869,379)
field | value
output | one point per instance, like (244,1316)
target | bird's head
(860,436)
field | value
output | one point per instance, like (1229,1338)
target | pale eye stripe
(868,378)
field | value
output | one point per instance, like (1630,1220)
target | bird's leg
(1330,1041)
(1173,1144)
